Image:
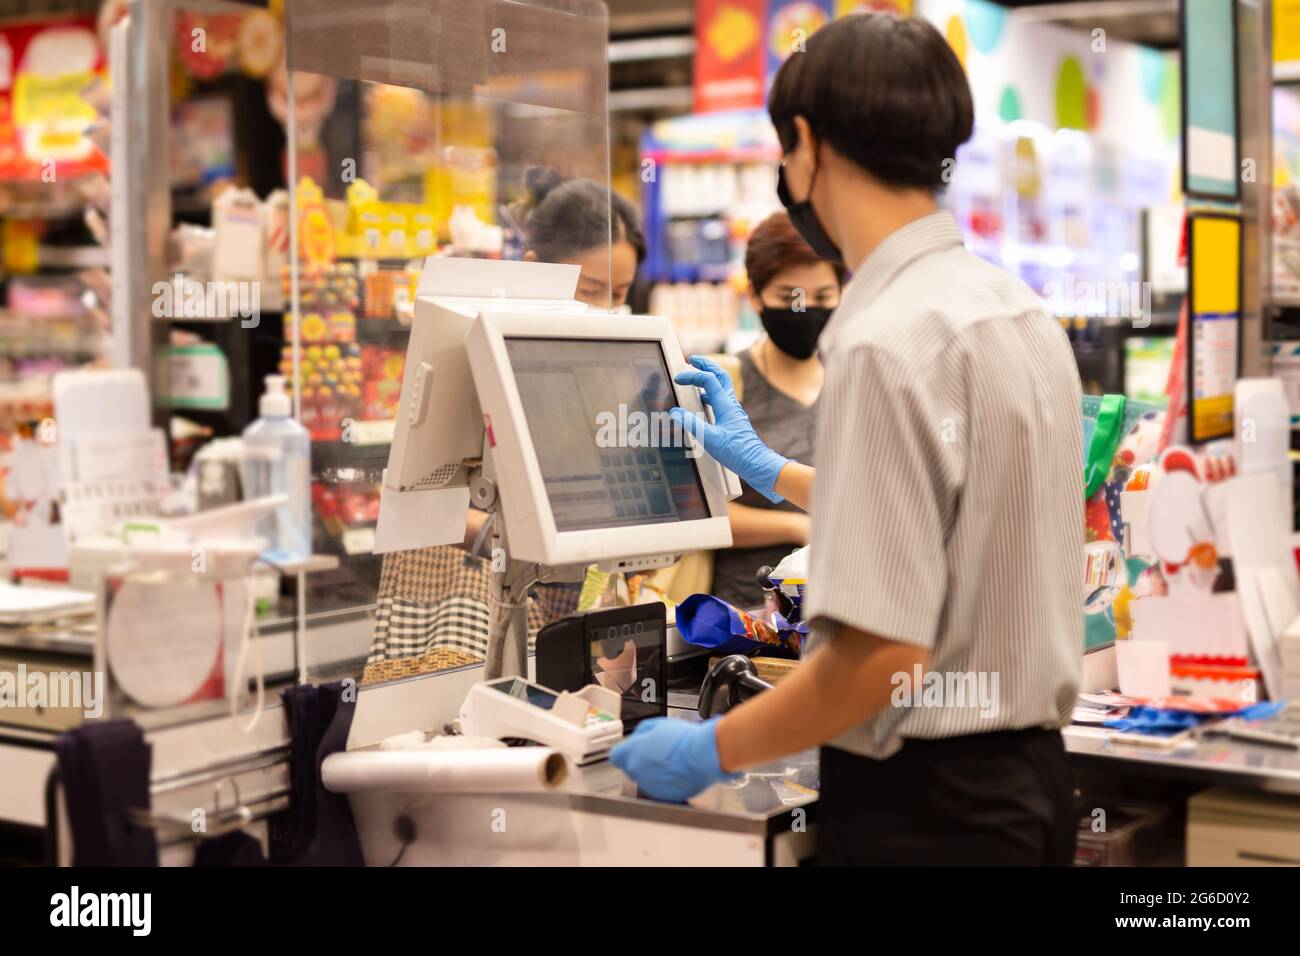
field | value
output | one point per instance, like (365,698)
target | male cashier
(947,501)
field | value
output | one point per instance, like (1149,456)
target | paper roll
(510,770)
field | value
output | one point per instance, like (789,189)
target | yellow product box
(423,233)
(375,229)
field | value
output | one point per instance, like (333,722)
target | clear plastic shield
(420,127)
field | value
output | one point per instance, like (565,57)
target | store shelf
(757,154)
(365,434)
(1159,322)
(651,48)
(41,209)
(652,98)
(311,565)
(73,257)
(326,454)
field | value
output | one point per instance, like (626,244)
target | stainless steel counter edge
(677,814)
(1213,759)
(389,709)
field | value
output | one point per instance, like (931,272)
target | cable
(508,605)
(404,829)
(476,552)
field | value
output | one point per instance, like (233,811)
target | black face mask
(795,332)
(805,220)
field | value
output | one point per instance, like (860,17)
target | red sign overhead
(45,66)
(729,54)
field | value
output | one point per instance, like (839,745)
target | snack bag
(707,621)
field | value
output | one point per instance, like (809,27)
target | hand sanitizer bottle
(277,461)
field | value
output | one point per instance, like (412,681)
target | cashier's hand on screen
(671,759)
(730,439)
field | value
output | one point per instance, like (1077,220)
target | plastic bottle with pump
(277,461)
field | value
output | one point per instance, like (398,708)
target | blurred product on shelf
(1286,194)
(238,221)
(718,167)
(329,385)
(34,347)
(49,324)
(713,179)
(346,500)
(1133,836)
(703,313)
(381,370)
(194,452)
(385,230)
(197,374)
(344,382)
(202,144)
(46,66)
(276,257)
(472,236)
(330,288)
(1284,359)
(1146,368)
(1062,210)
(388,292)
(22,199)
(189,250)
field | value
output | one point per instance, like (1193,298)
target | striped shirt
(947,506)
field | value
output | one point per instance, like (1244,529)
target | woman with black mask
(794,292)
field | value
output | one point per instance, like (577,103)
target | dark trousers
(998,799)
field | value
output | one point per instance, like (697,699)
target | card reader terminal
(583,726)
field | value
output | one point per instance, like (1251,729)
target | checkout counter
(553,517)
(596,818)
(765,818)
(768,817)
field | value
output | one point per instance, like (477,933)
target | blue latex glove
(671,759)
(730,439)
(1155,721)
(1263,710)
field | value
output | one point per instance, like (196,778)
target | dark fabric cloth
(104,768)
(787,427)
(317,829)
(997,799)
(231,849)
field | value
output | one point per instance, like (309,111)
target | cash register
(564,437)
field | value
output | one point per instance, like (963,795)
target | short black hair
(565,218)
(884,91)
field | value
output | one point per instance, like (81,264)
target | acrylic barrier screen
(488,49)
(430,128)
